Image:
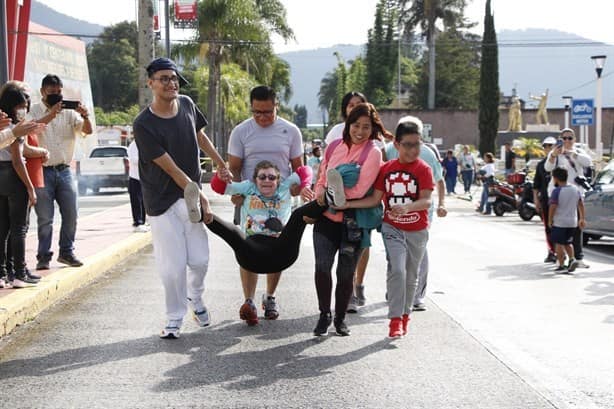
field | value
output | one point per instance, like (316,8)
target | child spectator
(565,215)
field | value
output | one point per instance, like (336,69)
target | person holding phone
(63,128)
(565,155)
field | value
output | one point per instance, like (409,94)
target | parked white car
(105,166)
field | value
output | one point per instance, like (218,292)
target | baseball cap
(163,63)
(550,140)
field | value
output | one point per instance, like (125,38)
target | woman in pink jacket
(338,231)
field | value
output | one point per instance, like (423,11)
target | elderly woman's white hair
(412,119)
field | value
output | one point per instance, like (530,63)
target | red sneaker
(249,313)
(395,326)
(405,320)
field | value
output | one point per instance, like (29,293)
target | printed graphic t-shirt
(401,184)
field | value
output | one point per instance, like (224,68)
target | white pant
(179,243)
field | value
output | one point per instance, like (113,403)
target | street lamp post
(599,61)
(567,100)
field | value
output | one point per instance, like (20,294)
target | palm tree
(229,28)
(530,147)
(424,14)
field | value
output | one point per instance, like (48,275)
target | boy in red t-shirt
(405,186)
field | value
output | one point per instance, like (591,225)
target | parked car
(599,205)
(105,166)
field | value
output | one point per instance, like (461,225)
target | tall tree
(489,85)
(424,14)
(457,73)
(112,63)
(234,26)
(327,96)
(300,116)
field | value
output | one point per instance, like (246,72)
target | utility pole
(146,49)
(4,60)
(167,28)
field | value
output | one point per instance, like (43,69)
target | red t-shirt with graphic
(401,184)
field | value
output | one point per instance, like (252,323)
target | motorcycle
(514,195)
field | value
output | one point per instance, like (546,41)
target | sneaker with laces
(340,327)
(23,282)
(69,260)
(334,186)
(573,264)
(582,264)
(191,194)
(200,313)
(420,306)
(249,313)
(43,263)
(141,228)
(32,276)
(353,305)
(560,269)
(324,322)
(550,258)
(171,330)
(405,322)
(395,328)
(270,307)
(359,290)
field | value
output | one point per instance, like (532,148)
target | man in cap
(63,127)
(168,135)
(540,195)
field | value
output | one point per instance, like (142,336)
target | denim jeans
(60,188)
(467,176)
(13,222)
(450,183)
(484,205)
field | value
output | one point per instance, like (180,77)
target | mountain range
(530,61)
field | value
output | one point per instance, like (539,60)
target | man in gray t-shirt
(265,136)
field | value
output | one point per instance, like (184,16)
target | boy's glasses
(265,177)
(410,145)
(167,80)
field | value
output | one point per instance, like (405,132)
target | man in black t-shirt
(540,195)
(168,135)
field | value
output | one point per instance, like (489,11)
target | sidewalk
(103,240)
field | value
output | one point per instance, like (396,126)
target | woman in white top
(487,172)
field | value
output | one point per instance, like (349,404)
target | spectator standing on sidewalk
(540,195)
(565,217)
(169,134)
(59,137)
(487,174)
(264,136)
(137,205)
(573,160)
(450,167)
(468,166)
(510,159)
(16,194)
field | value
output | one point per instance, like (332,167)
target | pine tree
(489,85)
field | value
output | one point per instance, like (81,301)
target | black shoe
(340,328)
(550,258)
(32,276)
(23,282)
(70,260)
(43,263)
(324,322)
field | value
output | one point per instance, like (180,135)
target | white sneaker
(191,194)
(171,330)
(200,313)
(334,186)
(141,228)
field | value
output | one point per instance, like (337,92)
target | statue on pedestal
(515,116)
(542,114)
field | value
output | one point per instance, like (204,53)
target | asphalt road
(501,331)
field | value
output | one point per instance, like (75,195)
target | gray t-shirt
(176,136)
(566,200)
(277,143)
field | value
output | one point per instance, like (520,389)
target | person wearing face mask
(565,155)
(63,128)
(16,192)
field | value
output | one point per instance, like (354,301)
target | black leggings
(266,254)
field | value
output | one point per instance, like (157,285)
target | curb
(24,305)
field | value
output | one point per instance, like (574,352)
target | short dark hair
(263,93)
(10,97)
(406,128)
(51,80)
(560,174)
(345,101)
(489,157)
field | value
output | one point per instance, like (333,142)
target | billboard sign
(582,112)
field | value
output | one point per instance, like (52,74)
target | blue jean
(60,188)
(467,176)
(484,205)
(450,183)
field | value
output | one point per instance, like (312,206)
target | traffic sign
(582,112)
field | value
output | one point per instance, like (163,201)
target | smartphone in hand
(67,104)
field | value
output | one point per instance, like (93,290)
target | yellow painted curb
(26,303)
